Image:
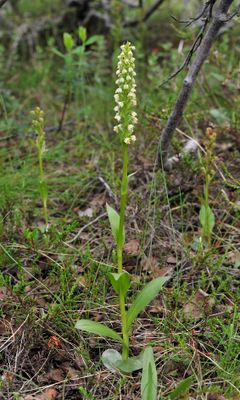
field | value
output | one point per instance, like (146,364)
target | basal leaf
(87,325)
(110,359)
(144,297)
(149,376)
(131,364)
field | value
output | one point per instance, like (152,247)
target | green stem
(206,193)
(120,242)
(123,200)
(125,350)
(44,200)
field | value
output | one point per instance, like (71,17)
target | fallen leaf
(171,260)
(148,263)
(86,213)
(49,394)
(156,272)
(55,375)
(132,247)
(54,341)
(3,292)
(199,306)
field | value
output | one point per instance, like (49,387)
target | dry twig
(219,18)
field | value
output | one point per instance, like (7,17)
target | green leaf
(120,282)
(43,189)
(114,220)
(82,32)
(131,364)
(207,219)
(93,39)
(149,376)
(144,297)
(110,359)
(68,41)
(182,388)
(58,53)
(87,325)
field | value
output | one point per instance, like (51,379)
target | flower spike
(125,95)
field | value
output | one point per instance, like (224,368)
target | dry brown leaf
(55,375)
(3,292)
(156,272)
(149,263)
(98,201)
(88,212)
(199,306)
(171,260)
(49,394)
(132,247)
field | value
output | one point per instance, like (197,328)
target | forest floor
(48,280)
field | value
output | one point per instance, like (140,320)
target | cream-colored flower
(125,95)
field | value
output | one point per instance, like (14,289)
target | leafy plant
(126,117)
(38,126)
(206,215)
(76,67)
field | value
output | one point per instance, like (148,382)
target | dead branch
(218,20)
(2,2)
(147,15)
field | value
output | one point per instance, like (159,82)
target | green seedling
(126,117)
(76,67)
(38,126)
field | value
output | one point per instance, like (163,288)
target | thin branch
(207,10)
(147,15)
(2,2)
(217,22)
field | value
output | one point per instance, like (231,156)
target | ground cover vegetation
(118,279)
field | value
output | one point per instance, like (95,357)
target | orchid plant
(126,120)
(38,126)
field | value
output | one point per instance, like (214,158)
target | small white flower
(116,108)
(127,140)
(133,138)
(118,117)
(118,90)
(120,104)
(130,128)
(126,87)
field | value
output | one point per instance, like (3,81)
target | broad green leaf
(131,364)
(114,220)
(68,41)
(207,219)
(182,388)
(87,325)
(149,376)
(82,32)
(110,359)
(120,282)
(144,297)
